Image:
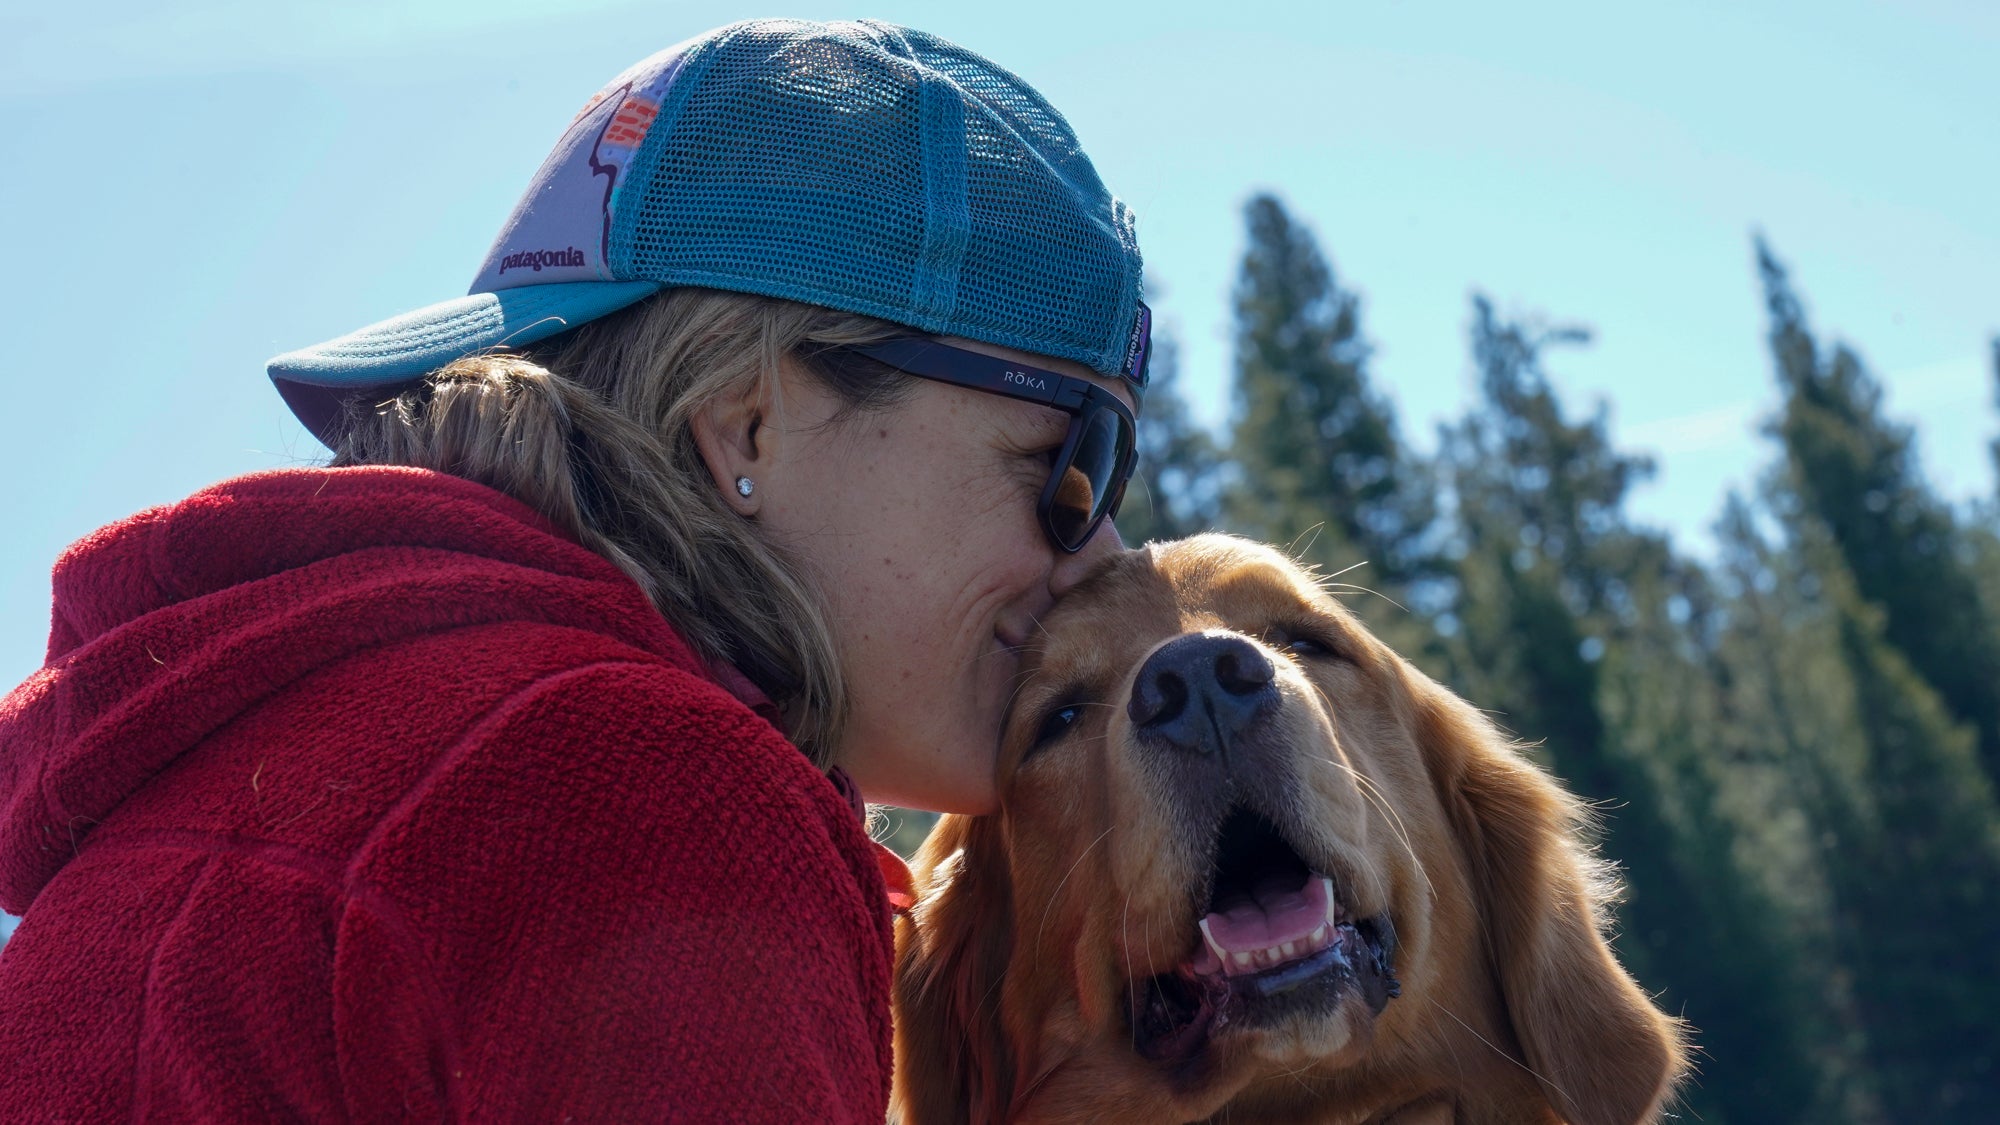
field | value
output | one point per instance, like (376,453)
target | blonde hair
(592,430)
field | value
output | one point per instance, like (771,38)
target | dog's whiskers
(1057,893)
(1035,1084)
(1152,958)
(1000,654)
(1348,587)
(1374,796)
(1125,942)
(1311,536)
(1294,1073)
(1322,579)
(1531,1071)
(1021,679)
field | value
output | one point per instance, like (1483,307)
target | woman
(511,766)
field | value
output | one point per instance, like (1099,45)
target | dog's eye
(1058,721)
(1309,648)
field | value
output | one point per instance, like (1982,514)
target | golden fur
(1036,926)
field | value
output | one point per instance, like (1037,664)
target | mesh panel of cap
(883,171)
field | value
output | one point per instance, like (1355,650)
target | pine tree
(1995,447)
(1856,472)
(1903,800)
(1916,883)
(1729,963)
(1177,489)
(1320,464)
(1786,702)
(1566,624)
(1535,496)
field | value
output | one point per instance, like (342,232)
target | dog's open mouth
(1277,939)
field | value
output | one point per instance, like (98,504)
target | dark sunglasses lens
(1086,483)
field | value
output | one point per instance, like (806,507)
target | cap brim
(314,380)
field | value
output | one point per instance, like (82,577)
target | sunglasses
(1087,481)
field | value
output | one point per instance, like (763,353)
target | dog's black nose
(1198,692)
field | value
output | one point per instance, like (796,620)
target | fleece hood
(170,624)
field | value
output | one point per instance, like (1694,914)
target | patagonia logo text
(536,259)
(1139,344)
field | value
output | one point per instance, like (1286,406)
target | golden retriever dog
(1251,866)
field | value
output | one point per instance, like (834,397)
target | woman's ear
(730,432)
(953,1062)
(1602,1053)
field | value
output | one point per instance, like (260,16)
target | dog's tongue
(1253,932)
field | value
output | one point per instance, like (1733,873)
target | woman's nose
(1070,568)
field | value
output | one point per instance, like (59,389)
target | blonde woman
(511,766)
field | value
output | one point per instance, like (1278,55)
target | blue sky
(192,187)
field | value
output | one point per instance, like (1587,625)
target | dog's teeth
(1318,937)
(1242,959)
(1332,907)
(1286,950)
(1221,954)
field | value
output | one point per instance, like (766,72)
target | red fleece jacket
(363,794)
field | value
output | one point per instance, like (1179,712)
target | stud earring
(745,486)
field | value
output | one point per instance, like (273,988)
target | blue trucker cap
(856,165)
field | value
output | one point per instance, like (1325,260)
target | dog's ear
(1603,1054)
(953,1063)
